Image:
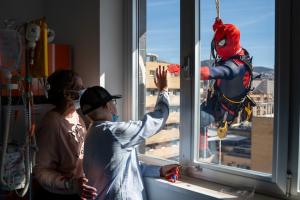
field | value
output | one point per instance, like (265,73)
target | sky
(254,18)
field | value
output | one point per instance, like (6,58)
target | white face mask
(81,92)
(77,101)
(76,104)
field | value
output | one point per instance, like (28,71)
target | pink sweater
(60,141)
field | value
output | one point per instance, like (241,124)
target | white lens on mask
(222,42)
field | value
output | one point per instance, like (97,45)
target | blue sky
(255,18)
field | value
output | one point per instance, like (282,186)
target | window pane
(249,140)
(159,45)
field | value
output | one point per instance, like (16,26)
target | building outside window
(152,72)
(160,43)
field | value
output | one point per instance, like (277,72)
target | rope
(218,8)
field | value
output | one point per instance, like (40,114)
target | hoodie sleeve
(132,133)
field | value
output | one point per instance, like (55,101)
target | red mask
(226,40)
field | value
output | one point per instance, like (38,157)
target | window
(231,160)
(174,74)
(272,91)
(151,92)
(245,143)
(152,72)
(175,109)
(159,46)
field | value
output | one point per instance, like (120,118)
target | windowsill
(192,188)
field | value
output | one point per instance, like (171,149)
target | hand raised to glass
(160,79)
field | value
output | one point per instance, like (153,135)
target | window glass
(159,46)
(248,143)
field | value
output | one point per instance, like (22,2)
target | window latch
(187,68)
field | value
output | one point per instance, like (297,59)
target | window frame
(190,51)
(297,190)
(216,173)
(298,160)
(131,47)
(294,140)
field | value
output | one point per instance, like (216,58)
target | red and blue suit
(231,74)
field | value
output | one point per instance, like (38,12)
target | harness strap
(247,60)
(233,101)
(231,112)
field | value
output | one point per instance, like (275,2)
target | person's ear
(108,106)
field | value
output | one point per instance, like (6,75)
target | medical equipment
(39,69)
(17,158)
(12,161)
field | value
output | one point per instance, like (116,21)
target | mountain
(265,73)
(260,69)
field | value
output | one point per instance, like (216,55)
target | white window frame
(232,176)
(190,51)
(131,59)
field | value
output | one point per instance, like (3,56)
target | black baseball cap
(95,97)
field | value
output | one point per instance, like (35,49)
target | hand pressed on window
(160,79)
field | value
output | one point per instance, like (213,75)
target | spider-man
(232,72)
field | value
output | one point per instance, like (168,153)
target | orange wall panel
(59,57)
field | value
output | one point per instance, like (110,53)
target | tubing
(5,135)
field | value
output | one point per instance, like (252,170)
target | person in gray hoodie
(110,159)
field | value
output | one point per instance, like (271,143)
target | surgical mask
(77,101)
(76,104)
(115,117)
(81,92)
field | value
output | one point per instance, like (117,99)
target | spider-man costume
(232,72)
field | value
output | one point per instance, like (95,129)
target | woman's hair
(60,82)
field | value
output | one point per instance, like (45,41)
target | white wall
(77,23)
(21,10)
(95,31)
(111,47)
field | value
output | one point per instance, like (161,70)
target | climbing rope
(212,56)
(218,8)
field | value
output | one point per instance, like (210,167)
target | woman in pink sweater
(61,137)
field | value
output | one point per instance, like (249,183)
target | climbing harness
(245,103)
